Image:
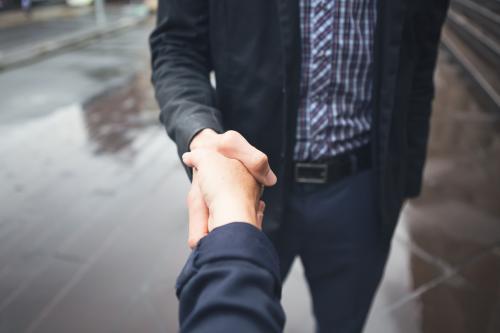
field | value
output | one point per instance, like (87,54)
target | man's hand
(233,145)
(230,192)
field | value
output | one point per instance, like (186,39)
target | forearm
(231,283)
(180,70)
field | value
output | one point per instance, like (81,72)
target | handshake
(229,175)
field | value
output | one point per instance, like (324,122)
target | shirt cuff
(191,126)
(234,241)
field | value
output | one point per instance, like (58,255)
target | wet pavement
(444,271)
(20,35)
(93,218)
(72,78)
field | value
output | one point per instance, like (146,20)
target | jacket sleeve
(181,66)
(231,283)
(428,20)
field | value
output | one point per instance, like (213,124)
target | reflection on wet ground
(93,222)
(115,119)
(92,225)
(444,270)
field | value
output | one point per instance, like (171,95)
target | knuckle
(261,162)
(230,137)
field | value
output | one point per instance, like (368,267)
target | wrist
(204,138)
(228,211)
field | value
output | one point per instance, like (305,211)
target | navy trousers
(335,231)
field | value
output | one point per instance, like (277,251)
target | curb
(29,54)
(15,18)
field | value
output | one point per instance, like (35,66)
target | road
(93,217)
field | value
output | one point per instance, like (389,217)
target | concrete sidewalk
(24,39)
(11,18)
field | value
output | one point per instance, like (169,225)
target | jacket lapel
(289,22)
(390,20)
(289,18)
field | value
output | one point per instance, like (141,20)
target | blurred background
(92,195)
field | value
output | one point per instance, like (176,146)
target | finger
(193,158)
(197,157)
(234,145)
(187,158)
(260,213)
(198,214)
(261,207)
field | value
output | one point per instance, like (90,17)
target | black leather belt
(334,168)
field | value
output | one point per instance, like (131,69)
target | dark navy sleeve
(231,283)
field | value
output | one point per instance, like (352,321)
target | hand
(230,192)
(233,145)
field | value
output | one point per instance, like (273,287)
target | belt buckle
(322,173)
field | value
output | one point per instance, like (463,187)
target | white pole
(100,13)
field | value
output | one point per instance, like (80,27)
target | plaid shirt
(336,84)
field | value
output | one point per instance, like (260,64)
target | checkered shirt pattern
(336,81)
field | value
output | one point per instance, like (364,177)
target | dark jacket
(254,49)
(231,283)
